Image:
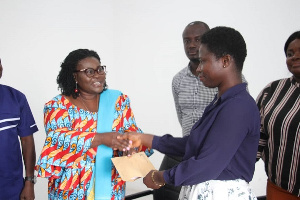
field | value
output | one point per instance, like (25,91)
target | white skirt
(218,190)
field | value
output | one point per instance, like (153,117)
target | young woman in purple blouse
(219,154)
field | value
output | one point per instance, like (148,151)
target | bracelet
(152,177)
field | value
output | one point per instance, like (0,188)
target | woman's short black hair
(295,35)
(65,79)
(225,40)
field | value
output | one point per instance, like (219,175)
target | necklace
(82,100)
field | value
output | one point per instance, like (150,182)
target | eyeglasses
(89,72)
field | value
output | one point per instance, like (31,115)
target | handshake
(127,143)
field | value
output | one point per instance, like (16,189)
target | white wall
(140,42)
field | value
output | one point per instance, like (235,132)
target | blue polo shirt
(16,121)
(222,145)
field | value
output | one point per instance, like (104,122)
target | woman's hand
(133,138)
(136,139)
(110,139)
(154,179)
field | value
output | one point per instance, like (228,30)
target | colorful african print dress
(67,159)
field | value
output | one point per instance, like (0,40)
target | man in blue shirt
(16,122)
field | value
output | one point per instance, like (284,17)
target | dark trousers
(168,192)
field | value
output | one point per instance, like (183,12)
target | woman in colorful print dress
(79,141)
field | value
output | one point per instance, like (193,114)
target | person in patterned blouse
(72,121)
(279,145)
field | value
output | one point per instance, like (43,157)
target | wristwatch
(32,179)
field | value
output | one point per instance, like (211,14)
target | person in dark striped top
(279,145)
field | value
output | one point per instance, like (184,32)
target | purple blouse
(222,145)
